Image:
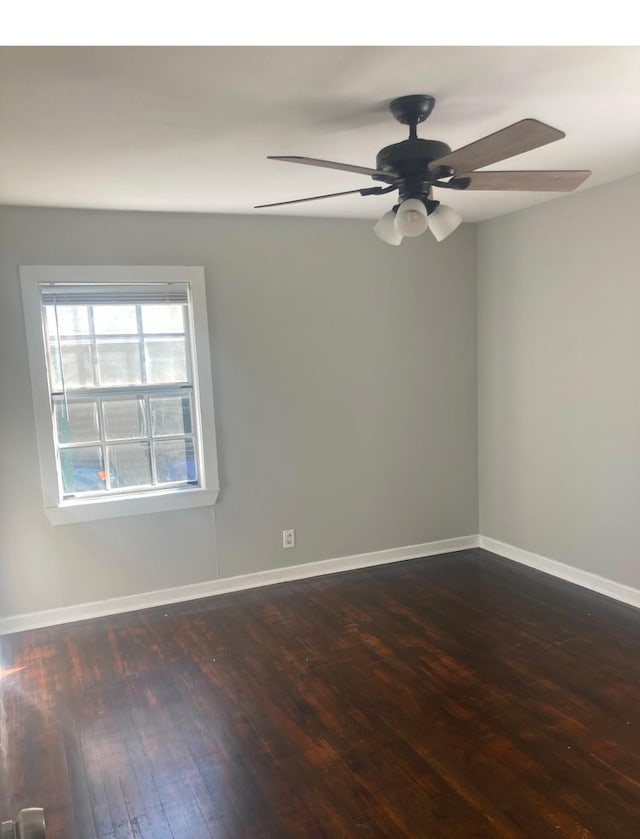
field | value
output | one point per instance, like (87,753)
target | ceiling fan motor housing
(408,163)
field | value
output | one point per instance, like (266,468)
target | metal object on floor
(29,824)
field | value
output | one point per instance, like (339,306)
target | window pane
(123,418)
(78,423)
(72,320)
(82,470)
(118,362)
(175,461)
(77,364)
(114,320)
(162,318)
(129,465)
(54,366)
(166,360)
(170,415)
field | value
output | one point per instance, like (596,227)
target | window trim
(60,511)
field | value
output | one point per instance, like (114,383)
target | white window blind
(123,294)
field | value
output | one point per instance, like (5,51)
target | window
(121,376)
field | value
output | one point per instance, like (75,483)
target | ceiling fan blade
(514,139)
(543,181)
(313,198)
(329,164)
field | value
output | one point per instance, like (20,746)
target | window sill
(70,512)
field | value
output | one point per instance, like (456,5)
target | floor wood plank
(445,698)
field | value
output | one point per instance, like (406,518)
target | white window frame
(80,509)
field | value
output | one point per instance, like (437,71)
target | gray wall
(345,387)
(559,380)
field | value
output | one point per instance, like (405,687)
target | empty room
(321,442)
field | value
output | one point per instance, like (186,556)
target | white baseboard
(209,588)
(162,597)
(618,591)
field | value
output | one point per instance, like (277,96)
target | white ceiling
(189,128)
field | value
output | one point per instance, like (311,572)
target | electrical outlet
(288,538)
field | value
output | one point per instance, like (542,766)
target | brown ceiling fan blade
(543,181)
(313,198)
(514,139)
(329,164)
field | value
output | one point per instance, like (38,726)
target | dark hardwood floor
(446,698)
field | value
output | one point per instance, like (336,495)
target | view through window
(121,382)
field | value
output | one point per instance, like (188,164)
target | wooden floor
(457,696)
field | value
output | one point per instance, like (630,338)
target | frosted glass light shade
(411,218)
(385,229)
(443,221)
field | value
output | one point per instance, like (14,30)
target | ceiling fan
(414,167)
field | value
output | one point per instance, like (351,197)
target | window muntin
(121,381)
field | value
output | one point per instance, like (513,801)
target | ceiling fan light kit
(386,230)
(414,167)
(443,221)
(411,218)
